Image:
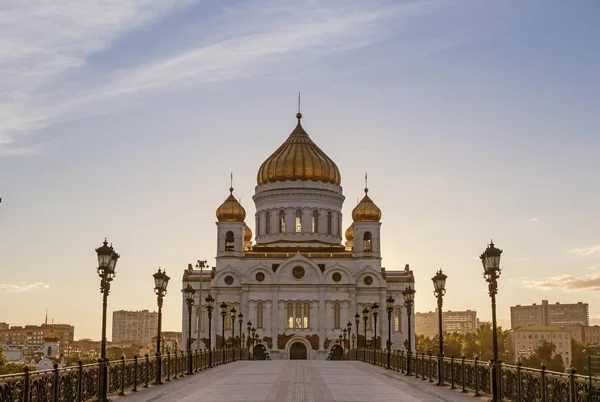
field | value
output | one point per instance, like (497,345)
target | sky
(475,120)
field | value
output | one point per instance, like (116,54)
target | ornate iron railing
(81,382)
(516,383)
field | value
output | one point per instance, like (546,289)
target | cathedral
(297,284)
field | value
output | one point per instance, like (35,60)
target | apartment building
(525,340)
(134,326)
(35,334)
(452,321)
(545,314)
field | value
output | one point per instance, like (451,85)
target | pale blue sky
(474,119)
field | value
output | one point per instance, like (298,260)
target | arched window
(329,217)
(259,315)
(228,316)
(369,318)
(229,241)
(397,319)
(49,351)
(315,221)
(298,220)
(257,225)
(268,222)
(290,315)
(306,315)
(298,315)
(367,241)
(339,227)
(336,315)
(281,221)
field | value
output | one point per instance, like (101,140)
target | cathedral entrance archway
(337,353)
(259,352)
(298,351)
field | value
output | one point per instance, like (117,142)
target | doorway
(298,351)
(337,353)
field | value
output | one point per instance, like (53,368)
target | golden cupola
(247,233)
(231,210)
(366,210)
(350,233)
(299,158)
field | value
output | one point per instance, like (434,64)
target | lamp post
(241,321)
(161,280)
(189,293)
(439,289)
(409,298)
(375,309)
(365,318)
(223,314)
(249,327)
(357,321)
(490,260)
(344,344)
(233,311)
(389,309)
(253,333)
(107,261)
(210,301)
(349,331)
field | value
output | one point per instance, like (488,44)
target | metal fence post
(135,373)
(122,393)
(572,395)
(168,365)
(519,383)
(79,381)
(147,370)
(55,383)
(463,375)
(543,383)
(452,372)
(476,373)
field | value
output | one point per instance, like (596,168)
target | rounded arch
(302,261)
(302,340)
(219,278)
(250,274)
(369,271)
(347,276)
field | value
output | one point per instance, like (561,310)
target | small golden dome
(231,210)
(366,210)
(350,233)
(247,233)
(51,337)
(298,158)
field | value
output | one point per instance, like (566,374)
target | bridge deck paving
(297,381)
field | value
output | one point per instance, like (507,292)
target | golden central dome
(366,210)
(231,210)
(298,158)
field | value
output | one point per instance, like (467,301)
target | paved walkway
(297,381)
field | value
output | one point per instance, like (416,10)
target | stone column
(322,317)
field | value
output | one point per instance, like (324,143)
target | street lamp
(344,344)
(223,314)
(107,261)
(349,330)
(375,309)
(189,293)
(249,327)
(161,280)
(490,260)
(210,302)
(357,321)
(232,312)
(253,342)
(365,318)
(241,321)
(389,309)
(439,286)
(409,298)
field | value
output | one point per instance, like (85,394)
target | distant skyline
(474,120)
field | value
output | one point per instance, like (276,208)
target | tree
(545,351)
(3,360)
(469,346)
(532,361)
(556,364)
(579,357)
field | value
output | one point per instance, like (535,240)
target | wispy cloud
(22,287)
(585,250)
(534,219)
(45,50)
(566,282)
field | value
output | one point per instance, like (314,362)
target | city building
(134,326)
(545,314)
(34,334)
(452,321)
(586,334)
(525,340)
(297,283)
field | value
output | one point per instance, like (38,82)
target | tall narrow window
(315,221)
(259,315)
(298,315)
(290,315)
(336,315)
(339,227)
(228,317)
(268,222)
(397,318)
(281,221)
(229,241)
(306,315)
(369,319)
(298,220)
(329,217)
(257,225)
(367,241)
